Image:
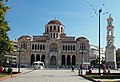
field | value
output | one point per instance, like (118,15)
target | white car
(38,65)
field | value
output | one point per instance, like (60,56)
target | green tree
(5,46)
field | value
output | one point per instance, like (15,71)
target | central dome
(55,22)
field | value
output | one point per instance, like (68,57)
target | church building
(54,48)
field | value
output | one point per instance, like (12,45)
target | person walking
(72,68)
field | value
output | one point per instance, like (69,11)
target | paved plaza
(47,75)
(52,75)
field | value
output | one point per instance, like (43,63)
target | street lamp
(100,10)
(19,50)
(81,65)
(82,50)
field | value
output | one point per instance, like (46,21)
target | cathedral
(54,48)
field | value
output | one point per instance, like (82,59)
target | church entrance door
(53,61)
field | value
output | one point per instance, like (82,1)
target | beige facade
(110,60)
(54,47)
(94,53)
(11,58)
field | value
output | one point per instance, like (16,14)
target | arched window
(71,47)
(82,46)
(43,46)
(32,46)
(50,28)
(32,59)
(38,47)
(56,35)
(110,33)
(68,60)
(24,45)
(61,29)
(58,29)
(63,60)
(54,27)
(35,46)
(53,35)
(73,60)
(37,57)
(110,42)
(47,29)
(43,58)
(53,60)
(74,47)
(63,47)
(68,47)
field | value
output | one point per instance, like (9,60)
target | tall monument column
(110,56)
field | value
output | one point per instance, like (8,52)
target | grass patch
(6,74)
(3,75)
(105,76)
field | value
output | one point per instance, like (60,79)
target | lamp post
(100,10)
(19,61)
(19,50)
(82,50)
(81,66)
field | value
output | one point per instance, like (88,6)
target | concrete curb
(89,78)
(14,75)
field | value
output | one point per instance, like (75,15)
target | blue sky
(29,17)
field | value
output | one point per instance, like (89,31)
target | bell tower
(110,56)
